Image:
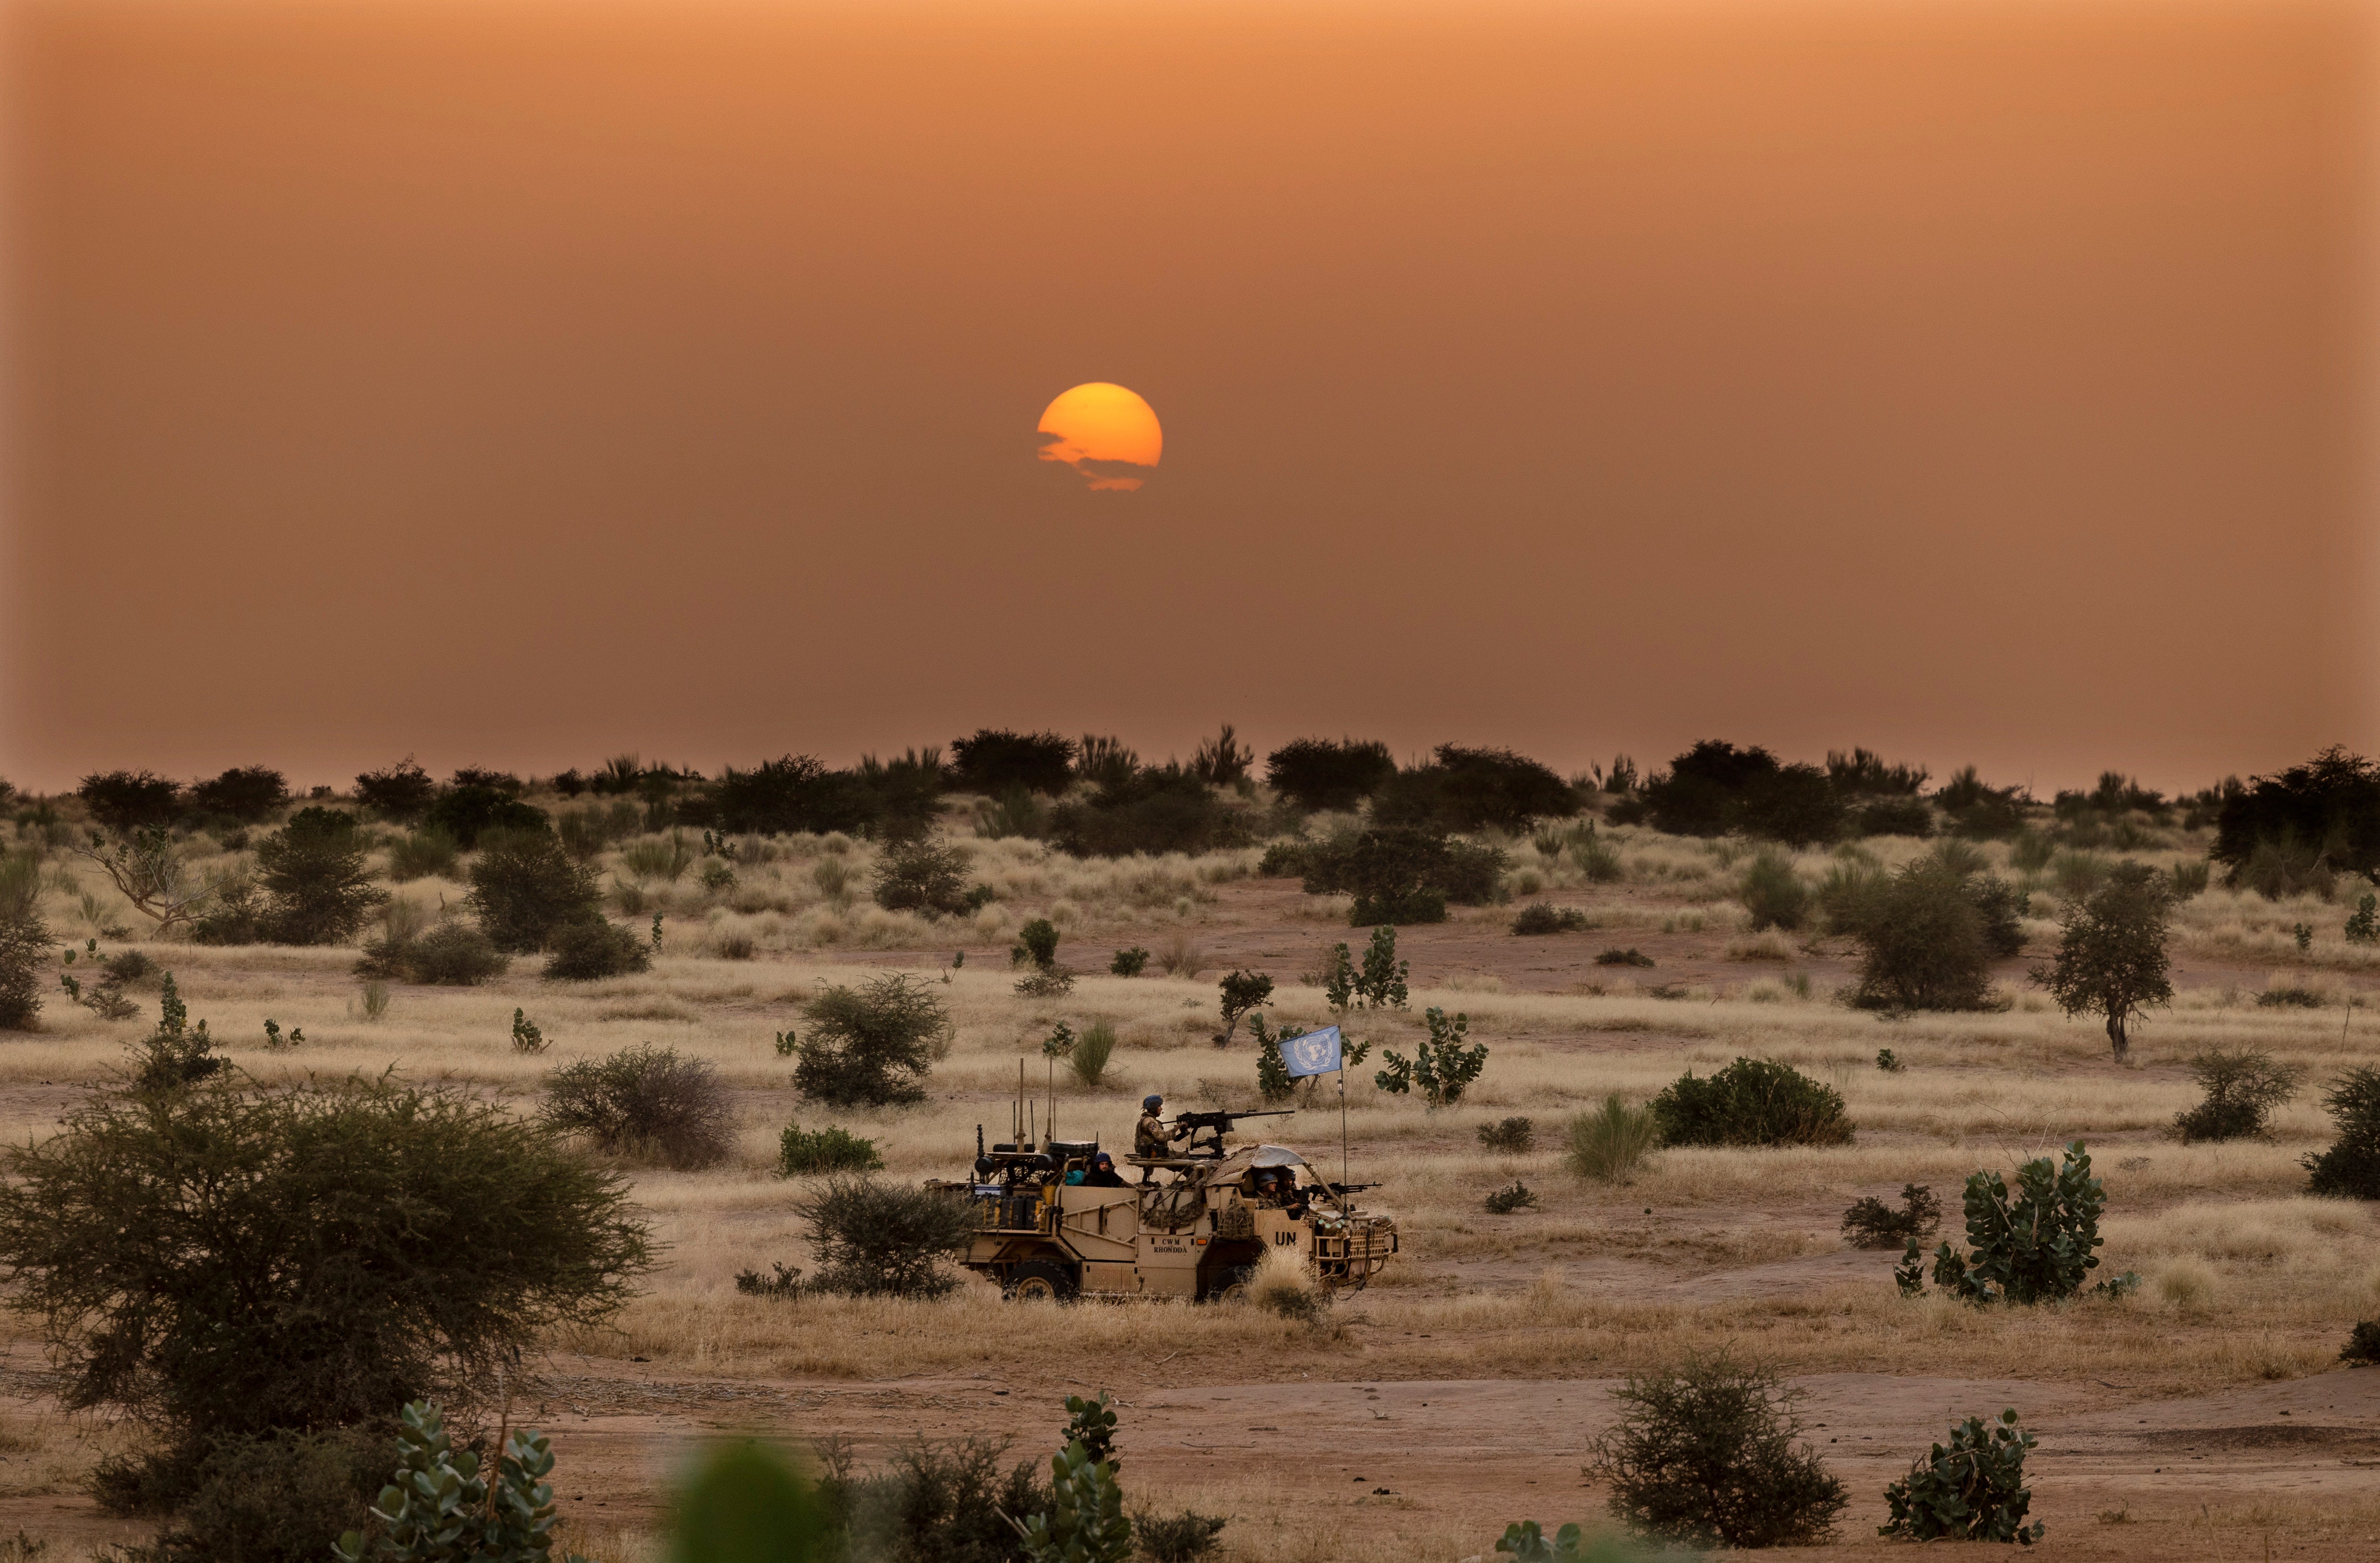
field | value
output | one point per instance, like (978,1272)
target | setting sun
(1105,433)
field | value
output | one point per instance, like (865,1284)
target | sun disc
(1105,433)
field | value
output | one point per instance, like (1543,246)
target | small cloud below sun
(1106,434)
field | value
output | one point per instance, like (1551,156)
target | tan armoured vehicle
(1197,1229)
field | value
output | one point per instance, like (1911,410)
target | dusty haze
(518,383)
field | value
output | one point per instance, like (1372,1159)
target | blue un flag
(1317,1052)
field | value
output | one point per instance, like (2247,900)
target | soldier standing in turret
(1150,1138)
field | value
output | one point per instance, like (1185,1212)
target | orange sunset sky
(518,384)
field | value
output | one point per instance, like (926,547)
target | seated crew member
(1103,1174)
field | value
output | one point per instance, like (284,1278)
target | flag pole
(1342,1124)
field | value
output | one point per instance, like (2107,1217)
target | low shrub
(527,1037)
(1284,1285)
(946,1501)
(1504,1201)
(1893,817)
(1889,1062)
(588,950)
(2363,1348)
(1509,1136)
(1971,1489)
(1631,956)
(527,887)
(1526,1541)
(646,1103)
(453,954)
(784,1283)
(1773,894)
(422,854)
(1543,917)
(869,1046)
(801,1152)
(1926,942)
(313,875)
(1181,1538)
(2241,1089)
(276,1498)
(2288,996)
(1596,859)
(1706,1456)
(1159,809)
(1238,992)
(1036,945)
(875,1239)
(922,876)
(449,1504)
(2035,1246)
(475,810)
(1870,1223)
(2281,867)
(2350,1168)
(1752,1102)
(1129,963)
(659,858)
(1609,1143)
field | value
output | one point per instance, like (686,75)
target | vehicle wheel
(1037,1281)
(1231,1286)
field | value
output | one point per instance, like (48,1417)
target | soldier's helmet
(1151,1104)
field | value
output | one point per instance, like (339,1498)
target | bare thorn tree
(143,866)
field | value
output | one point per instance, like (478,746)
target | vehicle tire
(1037,1281)
(1230,1286)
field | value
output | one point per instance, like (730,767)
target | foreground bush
(525,888)
(224,1259)
(1752,1102)
(2350,1168)
(1442,1067)
(874,1238)
(802,1151)
(24,942)
(2242,1086)
(934,1500)
(1772,894)
(1610,1142)
(1971,1489)
(1706,1457)
(869,1046)
(2037,1246)
(647,1103)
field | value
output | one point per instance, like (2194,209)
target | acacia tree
(2111,952)
(221,1258)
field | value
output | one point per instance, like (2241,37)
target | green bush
(1773,894)
(869,1046)
(476,810)
(177,1054)
(1750,1102)
(2363,925)
(1129,963)
(1924,941)
(445,1507)
(1402,874)
(1596,859)
(1442,1067)
(1704,1456)
(1870,1223)
(126,801)
(875,1239)
(230,1257)
(2279,833)
(2350,1168)
(588,950)
(1380,984)
(946,1501)
(525,888)
(1036,945)
(314,873)
(1544,917)
(1465,788)
(1609,1143)
(804,1151)
(273,1497)
(24,942)
(647,1103)
(1615,956)
(1157,810)
(921,875)
(1508,1137)
(249,793)
(2241,1088)
(1085,1523)
(2283,867)
(2035,1246)
(1525,1542)
(1972,1489)
(452,955)
(1893,817)
(425,853)
(992,762)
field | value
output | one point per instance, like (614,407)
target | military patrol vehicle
(1196,1229)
